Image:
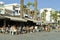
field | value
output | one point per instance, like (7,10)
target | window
(16,11)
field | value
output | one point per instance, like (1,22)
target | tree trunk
(35,4)
(21,8)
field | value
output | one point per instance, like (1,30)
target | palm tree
(43,16)
(29,4)
(45,11)
(21,7)
(35,5)
(54,16)
(32,13)
(59,17)
(25,9)
(21,10)
(28,9)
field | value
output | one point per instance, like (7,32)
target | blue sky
(55,4)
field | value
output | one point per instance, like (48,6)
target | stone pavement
(32,36)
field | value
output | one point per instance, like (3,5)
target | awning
(16,19)
(34,21)
(2,17)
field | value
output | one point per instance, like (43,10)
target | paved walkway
(32,36)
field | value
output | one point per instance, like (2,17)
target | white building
(3,10)
(1,4)
(14,7)
(58,20)
(48,17)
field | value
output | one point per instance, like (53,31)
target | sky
(55,4)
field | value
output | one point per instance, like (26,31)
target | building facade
(46,13)
(14,7)
(4,10)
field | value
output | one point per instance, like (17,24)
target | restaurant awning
(16,18)
(34,21)
(2,17)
